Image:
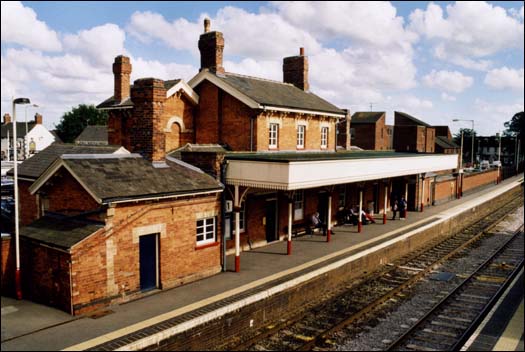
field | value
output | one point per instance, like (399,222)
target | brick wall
(28,203)
(430,140)
(45,275)
(445,191)
(8,266)
(106,267)
(177,122)
(70,198)
(207,116)
(473,181)
(288,131)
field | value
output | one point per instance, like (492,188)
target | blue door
(148,262)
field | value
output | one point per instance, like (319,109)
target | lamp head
(21,101)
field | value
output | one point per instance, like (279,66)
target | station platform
(29,326)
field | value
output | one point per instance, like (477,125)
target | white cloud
(100,44)
(152,68)
(446,97)
(504,78)
(471,30)
(492,115)
(21,26)
(450,81)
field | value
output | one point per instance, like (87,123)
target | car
(496,163)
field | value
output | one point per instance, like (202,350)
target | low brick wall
(472,182)
(257,315)
(7,277)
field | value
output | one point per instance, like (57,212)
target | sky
(437,61)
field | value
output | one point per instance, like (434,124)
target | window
(274,135)
(242,217)
(324,137)
(205,231)
(298,205)
(300,136)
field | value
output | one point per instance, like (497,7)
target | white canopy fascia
(293,175)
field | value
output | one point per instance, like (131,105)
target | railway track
(312,328)
(449,324)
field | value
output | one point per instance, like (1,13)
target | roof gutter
(161,197)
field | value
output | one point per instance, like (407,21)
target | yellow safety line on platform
(228,294)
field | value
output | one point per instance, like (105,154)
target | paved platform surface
(29,326)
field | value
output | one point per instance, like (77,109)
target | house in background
(31,138)
(368,131)
(444,142)
(413,135)
(93,135)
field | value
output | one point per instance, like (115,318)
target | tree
(467,143)
(73,122)
(515,125)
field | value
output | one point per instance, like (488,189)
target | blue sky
(436,61)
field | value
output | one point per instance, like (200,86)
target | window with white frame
(300,136)
(205,231)
(242,217)
(324,137)
(298,205)
(274,135)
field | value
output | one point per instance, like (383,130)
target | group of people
(399,206)
(351,216)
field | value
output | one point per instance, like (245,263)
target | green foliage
(515,125)
(73,122)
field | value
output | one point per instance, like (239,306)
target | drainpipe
(251,133)
(224,165)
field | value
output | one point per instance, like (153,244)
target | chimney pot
(38,119)
(207,24)
(301,51)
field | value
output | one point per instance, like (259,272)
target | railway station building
(219,164)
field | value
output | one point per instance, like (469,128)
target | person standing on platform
(394,206)
(402,208)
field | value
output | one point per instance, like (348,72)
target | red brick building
(368,130)
(413,135)
(116,227)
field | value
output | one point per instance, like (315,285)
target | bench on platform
(302,229)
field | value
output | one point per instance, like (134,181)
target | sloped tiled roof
(445,143)
(417,121)
(110,102)
(93,135)
(278,94)
(366,117)
(60,231)
(36,165)
(20,129)
(130,177)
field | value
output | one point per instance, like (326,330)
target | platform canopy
(291,171)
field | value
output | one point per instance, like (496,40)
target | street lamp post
(18,285)
(472,154)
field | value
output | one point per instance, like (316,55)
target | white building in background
(31,138)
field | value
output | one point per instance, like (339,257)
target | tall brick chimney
(211,46)
(121,72)
(7,118)
(38,119)
(146,134)
(295,70)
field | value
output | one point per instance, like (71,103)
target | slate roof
(190,147)
(273,93)
(36,165)
(110,102)
(417,121)
(60,231)
(20,129)
(113,178)
(445,143)
(93,135)
(366,117)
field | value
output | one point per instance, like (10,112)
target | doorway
(271,220)
(148,262)
(323,207)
